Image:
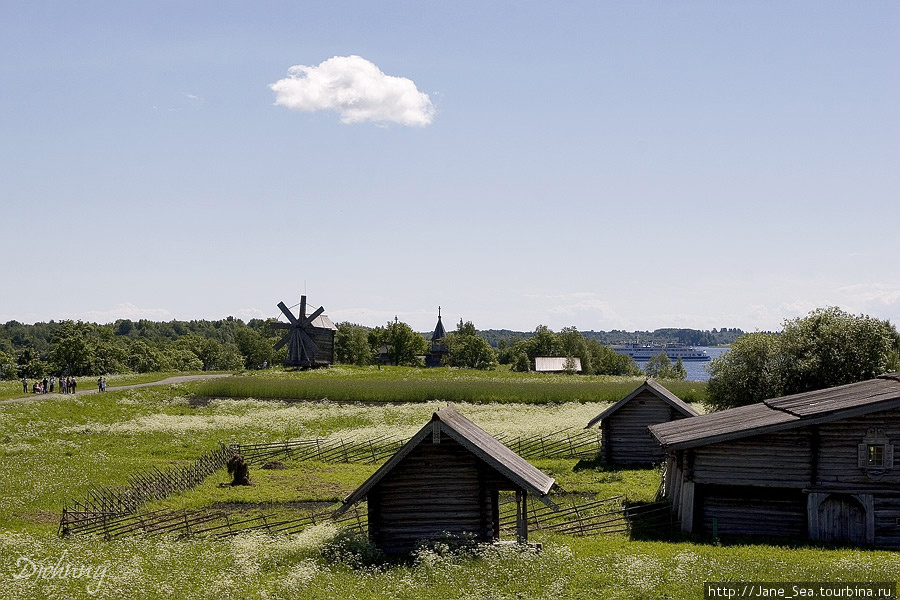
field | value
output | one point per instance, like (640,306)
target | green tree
(661,367)
(30,364)
(465,348)
(178,358)
(467,328)
(519,361)
(404,346)
(572,344)
(606,361)
(748,373)
(256,350)
(109,356)
(826,348)
(72,350)
(8,368)
(144,358)
(351,344)
(830,347)
(678,370)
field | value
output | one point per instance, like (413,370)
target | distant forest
(75,347)
(689,337)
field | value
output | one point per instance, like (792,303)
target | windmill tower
(310,338)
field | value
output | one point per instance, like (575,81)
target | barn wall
(627,440)
(774,460)
(436,488)
(738,511)
(761,485)
(838,467)
(324,339)
(887,526)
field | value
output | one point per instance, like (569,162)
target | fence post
(578,517)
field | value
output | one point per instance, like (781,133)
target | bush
(353,548)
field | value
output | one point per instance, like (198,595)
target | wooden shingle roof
(788,412)
(657,390)
(477,441)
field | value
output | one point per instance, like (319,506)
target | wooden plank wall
(626,439)
(838,466)
(436,488)
(776,460)
(770,512)
(887,521)
(324,339)
(734,481)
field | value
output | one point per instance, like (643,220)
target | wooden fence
(113,511)
(566,443)
(200,522)
(109,502)
(609,515)
(325,450)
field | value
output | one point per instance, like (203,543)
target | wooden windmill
(310,338)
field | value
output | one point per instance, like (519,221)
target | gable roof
(477,441)
(323,322)
(657,390)
(549,364)
(777,414)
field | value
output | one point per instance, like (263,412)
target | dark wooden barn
(447,478)
(624,435)
(309,338)
(817,465)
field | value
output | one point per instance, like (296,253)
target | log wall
(437,488)
(838,466)
(791,484)
(740,511)
(776,460)
(625,437)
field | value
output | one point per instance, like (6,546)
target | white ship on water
(644,352)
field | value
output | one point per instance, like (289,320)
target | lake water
(696,369)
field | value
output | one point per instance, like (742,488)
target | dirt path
(89,386)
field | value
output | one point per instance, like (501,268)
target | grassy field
(405,384)
(52,450)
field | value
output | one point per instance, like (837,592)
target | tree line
(79,348)
(827,348)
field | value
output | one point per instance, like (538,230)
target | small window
(875,455)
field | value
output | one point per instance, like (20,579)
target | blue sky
(598,164)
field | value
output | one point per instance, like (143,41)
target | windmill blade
(302,307)
(283,341)
(312,317)
(311,348)
(281,325)
(288,313)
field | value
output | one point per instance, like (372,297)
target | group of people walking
(46,386)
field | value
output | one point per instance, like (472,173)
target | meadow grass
(410,384)
(54,449)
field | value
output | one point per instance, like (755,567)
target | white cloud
(357,89)
(126,310)
(246,314)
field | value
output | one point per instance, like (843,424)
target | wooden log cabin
(817,465)
(624,435)
(446,479)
